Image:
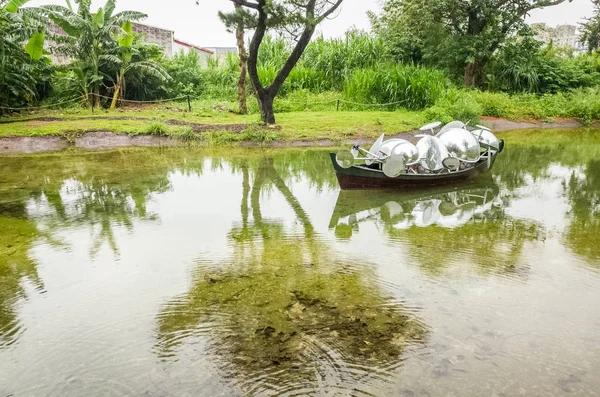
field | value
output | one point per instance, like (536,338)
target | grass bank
(214,125)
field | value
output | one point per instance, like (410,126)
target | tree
(127,64)
(458,33)
(298,17)
(90,39)
(24,70)
(239,25)
(591,29)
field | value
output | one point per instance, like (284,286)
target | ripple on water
(314,347)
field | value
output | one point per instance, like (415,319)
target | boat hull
(360,177)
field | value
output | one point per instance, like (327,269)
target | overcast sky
(201,26)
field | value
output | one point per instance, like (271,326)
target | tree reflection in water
(283,314)
(583,233)
(41,196)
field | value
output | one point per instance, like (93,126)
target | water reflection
(138,271)
(16,239)
(283,316)
(467,223)
(583,191)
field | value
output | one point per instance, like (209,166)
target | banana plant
(127,64)
(22,76)
(35,44)
(90,37)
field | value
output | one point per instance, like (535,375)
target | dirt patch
(499,125)
(33,144)
(101,140)
(201,128)
(98,140)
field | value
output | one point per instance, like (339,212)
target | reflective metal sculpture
(461,144)
(431,126)
(394,166)
(374,152)
(401,147)
(345,159)
(432,153)
(486,139)
(451,125)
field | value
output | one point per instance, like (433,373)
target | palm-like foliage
(128,64)
(90,39)
(21,75)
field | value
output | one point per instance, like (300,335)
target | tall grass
(413,87)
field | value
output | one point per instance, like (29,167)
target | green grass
(291,126)
(157,128)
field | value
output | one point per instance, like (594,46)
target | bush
(455,105)
(157,128)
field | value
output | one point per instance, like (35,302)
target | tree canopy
(299,18)
(591,29)
(460,34)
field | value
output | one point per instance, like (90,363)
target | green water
(179,272)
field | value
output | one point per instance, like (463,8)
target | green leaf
(14,5)
(99,17)
(126,40)
(35,46)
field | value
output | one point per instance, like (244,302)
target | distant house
(562,36)
(182,47)
(221,53)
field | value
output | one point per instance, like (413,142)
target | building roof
(183,43)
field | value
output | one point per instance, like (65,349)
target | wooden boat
(365,177)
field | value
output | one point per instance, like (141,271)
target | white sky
(201,26)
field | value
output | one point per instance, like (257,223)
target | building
(163,38)
(182,47)
(562,36)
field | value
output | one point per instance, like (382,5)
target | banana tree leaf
(99,17)
(14,5)
(35,46)
(127,39)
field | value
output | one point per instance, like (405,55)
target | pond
(190,272)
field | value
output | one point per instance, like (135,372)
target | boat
(454,154)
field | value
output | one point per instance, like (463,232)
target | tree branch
(247,4)
(330,11)
(257,38)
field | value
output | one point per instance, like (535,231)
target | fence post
(337,108)
(189,103)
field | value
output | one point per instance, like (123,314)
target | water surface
(181,272)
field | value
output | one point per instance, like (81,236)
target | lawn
(176,119)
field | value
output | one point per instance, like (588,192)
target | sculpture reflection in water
(283,315)
(467,224)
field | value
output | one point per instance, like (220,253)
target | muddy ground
(101,140)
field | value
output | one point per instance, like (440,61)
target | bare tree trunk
(265,100)
(239,35)
(475,72)
(469,78)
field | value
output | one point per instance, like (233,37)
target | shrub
(455,105)
(157,128)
